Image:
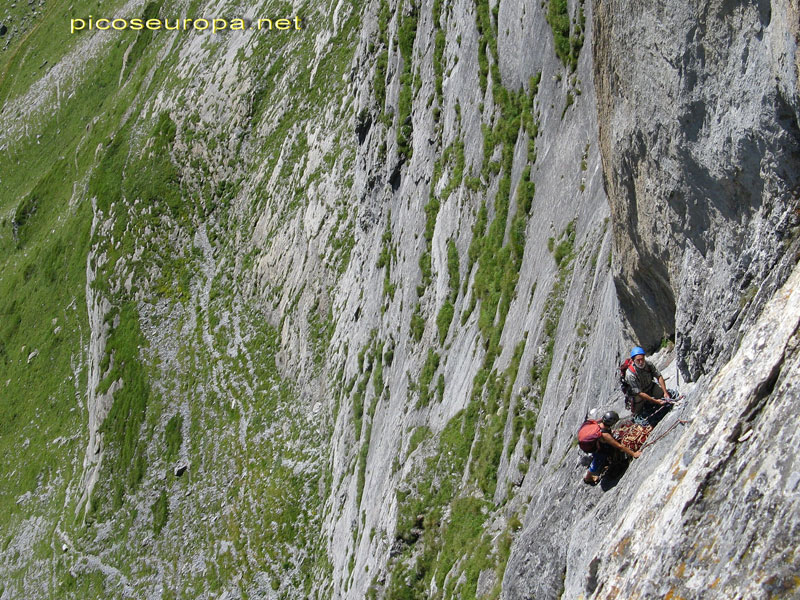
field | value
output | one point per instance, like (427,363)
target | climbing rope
(679,402)
(629,417)
(650,442)
(682,405)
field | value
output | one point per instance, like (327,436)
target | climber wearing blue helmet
(637,351)
(646,384)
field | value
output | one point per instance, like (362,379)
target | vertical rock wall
(387,266)
(698,111)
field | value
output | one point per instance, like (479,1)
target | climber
(647,388)
(595,437)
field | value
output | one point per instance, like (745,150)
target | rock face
(367,280)
(698,111)
(710,510)
(695,153)
(718,515)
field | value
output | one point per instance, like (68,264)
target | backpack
(627,365)
(588,435)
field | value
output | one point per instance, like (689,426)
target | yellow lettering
(216,24)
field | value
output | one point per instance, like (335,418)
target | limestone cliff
(699,131)
(316,314)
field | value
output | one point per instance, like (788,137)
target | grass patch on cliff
(563,254)
(374,367)
(441,533)
(499,249)
(422,506)
(453,155)
(342,241)
(320,331)
(568,34)
(419,435)
(438,50)
(417,325)
(160,512)
(122,427)
(173,437)
(387,256)
(406,35)
(443,319)
(499,257)
(382,60)
(426,377)
(487,41)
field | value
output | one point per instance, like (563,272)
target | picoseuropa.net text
(215,25)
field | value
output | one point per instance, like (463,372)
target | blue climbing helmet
(637,350)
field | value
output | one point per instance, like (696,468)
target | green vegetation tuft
(417,326)
(173,437)
(382,61)
(122,426)
(438,50)
(419,435)
(554,305)
(568,36)
(499,252)
(387,256)
(160,512)
(406,35)
(320,332)
(443,320)
(566,244)
(432,544)
(487,42)
(426,377)
(379,81)
(453,269)
(558,19)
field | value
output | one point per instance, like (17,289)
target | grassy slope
(91,145)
